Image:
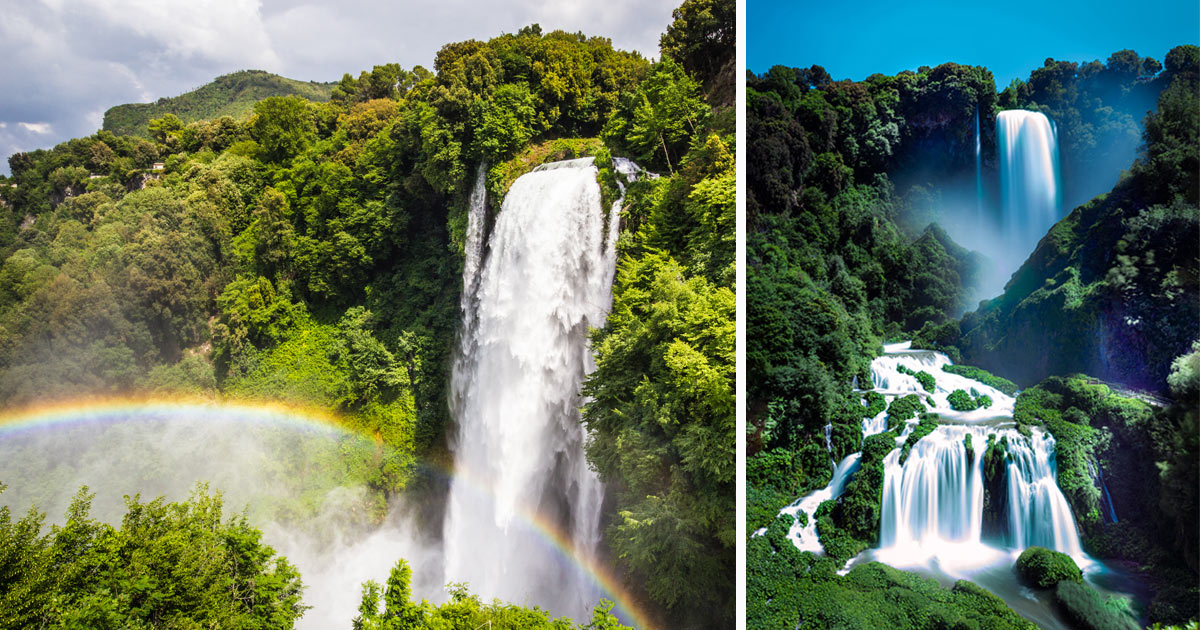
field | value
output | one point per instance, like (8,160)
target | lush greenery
(232,95)
(794,589)
(841,256)
(960,400)
(1148,458)
(311,252)
(1087,610)
(1096,108)
(1043,568)
(464,611)
(661,412)
(1111,291)
(168,565)
(983,376)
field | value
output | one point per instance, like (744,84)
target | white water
(932,508)
(1029,179)
(546,279)
(934,500)
(805,536)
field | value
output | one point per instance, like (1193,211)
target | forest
(311,252)
(1095,334)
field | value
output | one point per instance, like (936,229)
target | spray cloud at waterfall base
(941,514)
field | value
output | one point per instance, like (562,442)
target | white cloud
(38,128)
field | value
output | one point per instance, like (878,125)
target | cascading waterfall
(1029,180)
(527,307)
(1038,513)
(933,502)
(936,496)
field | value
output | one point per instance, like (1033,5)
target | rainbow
(49,416)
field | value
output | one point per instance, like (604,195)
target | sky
(853,40)
(67,61)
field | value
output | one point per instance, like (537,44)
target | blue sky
(853,40)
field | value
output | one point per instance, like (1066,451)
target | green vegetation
(929,422)
(1088,610)
(902,410)
(1149,460)
(983,376)
(232,95)
(464,610)
(962,401)
(928,383)
(1123,316)
(801,590)
(168,565)
(311,252)
(660,417)
(875,404)
(1043,568)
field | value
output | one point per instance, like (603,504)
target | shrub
(875,404)
(902,409)
(1043,568)
(961,401)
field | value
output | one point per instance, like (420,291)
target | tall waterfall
(522,486)
(1029,181)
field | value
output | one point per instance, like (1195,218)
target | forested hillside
(231,95)
(1112,290)
(312,253)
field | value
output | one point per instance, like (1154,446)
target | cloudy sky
(67,61)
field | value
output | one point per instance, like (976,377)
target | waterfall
(805,536)
(1029,181)
(522,483)
(978,173)
(937,494)
(1038,513)
(933,503)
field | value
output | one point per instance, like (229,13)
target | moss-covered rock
(1043,568)
(1087,610)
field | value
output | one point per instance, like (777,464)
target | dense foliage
(232,95)
(1112,290)
(464,611)
(661,412)
(169,565)
(787,588)
(1148,459)
(312,252)
(983,376)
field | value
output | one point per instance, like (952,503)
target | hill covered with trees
(231,95)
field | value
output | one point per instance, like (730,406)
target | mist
(295,482)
